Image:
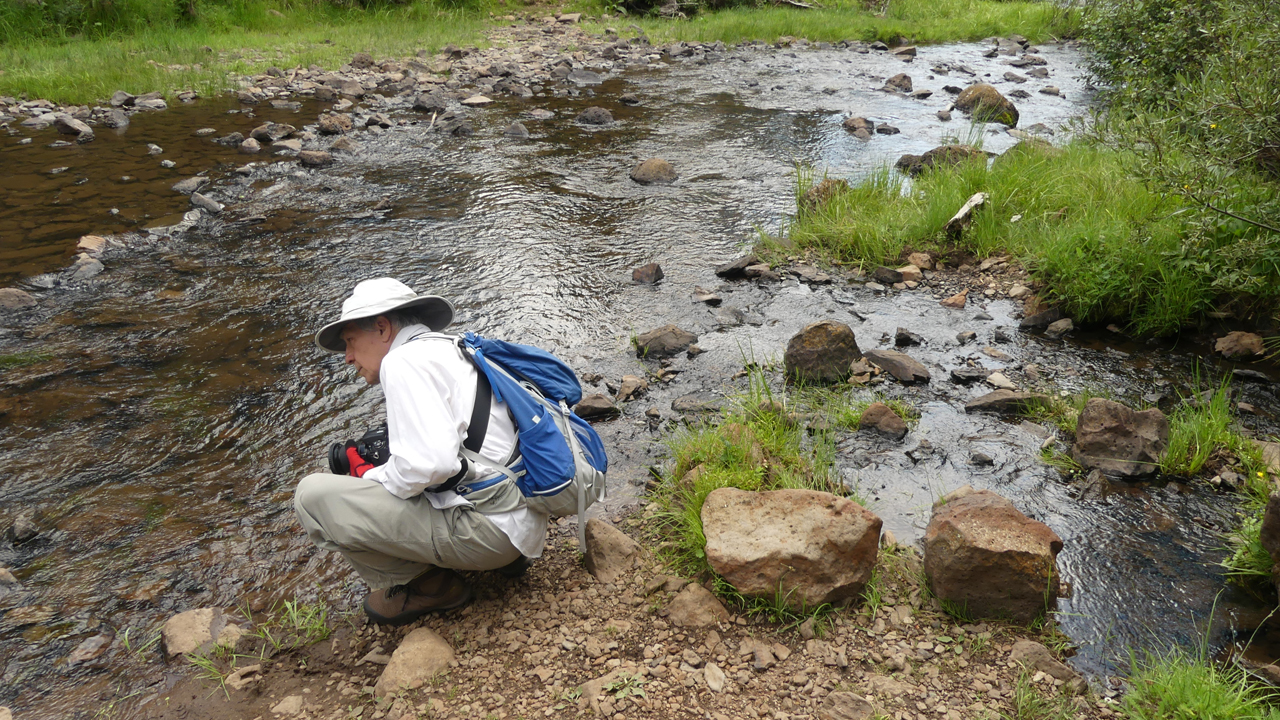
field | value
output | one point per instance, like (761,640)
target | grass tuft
(1180,685)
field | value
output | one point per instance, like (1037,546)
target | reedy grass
(1030,704)
(1177,685)
(1198,429)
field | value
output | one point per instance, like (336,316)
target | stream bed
(166,407)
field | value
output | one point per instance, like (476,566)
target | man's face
(366,348)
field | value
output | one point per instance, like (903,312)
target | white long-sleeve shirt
(431,390)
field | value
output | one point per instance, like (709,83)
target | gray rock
(250,147)
(944,115)
(968,375)
(647,274)
(154,149)
(698,402)
(121,98)
(964,337)
(85,268)
(1041,319)
(902,366)
(15,299)
(68,125)
(315,158)
(23,529)
(596,406)
(421,656)
(584,77)
(91,648)
(609,554)
(654,171)
(886,276)
(1118,440)
(1006,401)
(517,130)
(230,140)
(845,706)
(342,144)
(898,83)
(1034,656)
(150,103)
(115,118)
(595,116)
(665,341)
(821,353)
(204,202)
(903,337)
(738,268)
(1058,328)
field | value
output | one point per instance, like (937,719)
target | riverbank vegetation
(80,52)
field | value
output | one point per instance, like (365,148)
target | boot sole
(406,618)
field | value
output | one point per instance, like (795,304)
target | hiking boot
(516,568)
(436,590)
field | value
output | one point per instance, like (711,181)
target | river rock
(1034,656)
(986,104)
(430,102)
(596,407)
(272,132)
(23,529)
(120,98)
(666,341)
(86,267)
(517,130)
(902,366)
(956,301)
(941,156)
(115,118)
(882,419)
(342,144)
(595,116)
(362,61)
(68,125)
(903,337)
(315,158)
(809,547)
(654,171)
(821,353)
(477,101)
(230,140)
(737,269)
(1239,344)
(696,607)
(609,552)
(1006,401)
(1058,328)
(334,124)
(988,558)
(1118,440)
(422,655)
(1042,319)
(633,386)
(845,706)
(861,127)
(190,185)
(647,274)
(898,83)
(147,102)
(910,273)
(697,402)
(197,631)
(90,648)
(204,202)
(250,147)
(15,299)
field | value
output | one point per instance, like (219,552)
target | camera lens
(338,463)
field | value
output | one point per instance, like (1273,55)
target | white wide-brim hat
(380,296)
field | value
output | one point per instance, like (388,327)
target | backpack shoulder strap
(478,427)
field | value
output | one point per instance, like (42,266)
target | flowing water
(164,409)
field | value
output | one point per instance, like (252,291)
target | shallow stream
(170,404)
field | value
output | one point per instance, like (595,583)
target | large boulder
(610,553)
(806,546)
(421,655)
(1118,440)
(989,559)
(666,341)
(900,365)
(821,353)
(986,104)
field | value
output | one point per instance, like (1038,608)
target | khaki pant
(390,541)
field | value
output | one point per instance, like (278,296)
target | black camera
(374,446)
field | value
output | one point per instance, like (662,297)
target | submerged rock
(647,274)
(654,171)
(665,341)
(595,116)
(821,353)
(1118,440)
(198,631)
(809,547)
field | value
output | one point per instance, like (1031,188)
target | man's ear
(384,327)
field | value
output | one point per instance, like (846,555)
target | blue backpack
(563,462)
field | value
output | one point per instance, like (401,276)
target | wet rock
(1041,319)
(68,125)
(698,402)
(821,353)
(204,202)
(120,98)
(15,299)
(250,147)
(1058,328)
(115,119)
(1239,344)
(420,657)
(197,631)
(861,127)
(810,274)
(1269,535)
(900,365)
(696,607)
(272,132)
(736,270)
(1034,656)
(989,559)
(761,271)
(647,274)
(477,101)
(845,706)
(981,459)
(342,144)
(706,296)
(23,529)
(610,554)
(1006,401)
(1051,90)
(334,124)
(596,407)
(905,338)
(517,130)
(86,267)
(1014,77)
(150,103)
(654,171)
(998,380)
(665,341)
(315,158)
(898,83)
(230,140)
(190,185)
(986,104)
(956,301)
(168,164)
(944,115)
(887,276)
(817,547)
(595,116)
(430,102)
(964,337)
(1119,440)
(632,386)
(884,129)
(91,244)
(882,419)
(941,156)
(28,615)
(90,648)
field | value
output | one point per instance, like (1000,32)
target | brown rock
(882,419)
(272,132)
(197,631)
(633,386)
(821,353)
(738,268)
(595,116)
(654,171)
(941,156)
(315,158)
(898,83)
(810,547)
(647,274)
(609,552)
(1118,440)
(986,104)
(666,341)
(596,406)
(15,299)
(819,195)
(696,607)
(334,124)
(1034,656)
(421,655)
(985,556)
(901,365)
(845,706)
(956,301)
(1270,533)
(856,124)
(1239,344)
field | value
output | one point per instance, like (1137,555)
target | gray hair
(397,318)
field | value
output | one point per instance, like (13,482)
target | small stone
(998,380)
(1059,328)
(250,147)
(905,338)
(477,101)
(15,299)
(647,274)
(944,115)
(956,301)
(595,116)
(517,130)
(882,419)
(315,158)
(190,185)
(981,459)
(205,202)
(965,337)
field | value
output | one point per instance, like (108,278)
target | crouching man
(408,525)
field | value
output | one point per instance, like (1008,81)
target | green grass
(1178,685)
(22,359)
(1029,703)
(1198,430)
(1104,245)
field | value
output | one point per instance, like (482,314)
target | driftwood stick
(957,224)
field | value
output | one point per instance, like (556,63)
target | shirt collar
(409,332)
